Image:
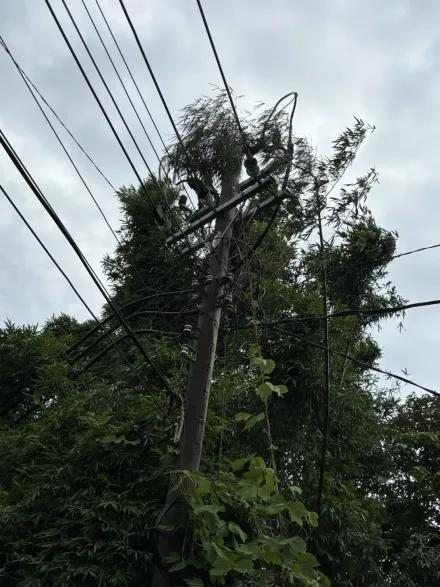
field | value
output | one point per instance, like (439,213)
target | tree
(87,453)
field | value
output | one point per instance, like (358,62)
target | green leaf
(254,473)
(247,490)
(324,580)
(224,496)
(297,544)
(209,514)
(251,550)
(313,519)
(222,530)
(204,487)
(237,530)
(242,416)
(239,463)
(294,489)
(254,420)
(108,439)
(178,566)
(281,389)
(194,582)
(243,565)
(276,504)
(272,557)
(265,390)
(297,511)
(222,566)
(268,366)
(308,560)
(266,490)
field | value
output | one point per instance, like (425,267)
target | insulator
(187,329)
(209,279)
(251,166)
(195,284)
(183,200)
(184,351)
(160,214)
(166,226)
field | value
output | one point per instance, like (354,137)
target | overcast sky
(377,60)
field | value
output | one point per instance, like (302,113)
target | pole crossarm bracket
(255,186)
(247,216)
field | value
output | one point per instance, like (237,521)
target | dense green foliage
(87,455)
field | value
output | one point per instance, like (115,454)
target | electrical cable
(285,181)
(137,87)
(153,77)
(39,195)
(130,73)
(358,362)
(398,256)
(117,108)
(60,269)
(344,313)
(121,338)
(83,181)
(121,81)
(124,307)
(31,89)
(43,99)
(326,427)
(57,22)
(227,88)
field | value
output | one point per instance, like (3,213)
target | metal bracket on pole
(255,187)
(249,214)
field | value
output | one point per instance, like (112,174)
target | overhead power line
(222,73)
(130,73)
(153,177)
(44,202)
(83,181)
(358,362)
(141,182)
(137,89)
(344,313)
(398,256)
(33,89)
(156,84)
(82,300)
(43,99)
(121,80)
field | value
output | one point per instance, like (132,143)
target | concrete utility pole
(199,385)
(175,515)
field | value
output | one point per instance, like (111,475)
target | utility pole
(199,385)
(173,520)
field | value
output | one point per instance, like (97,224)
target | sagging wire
(100,325)
(33,89)
(46,205)
(357,361)
(43,99)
